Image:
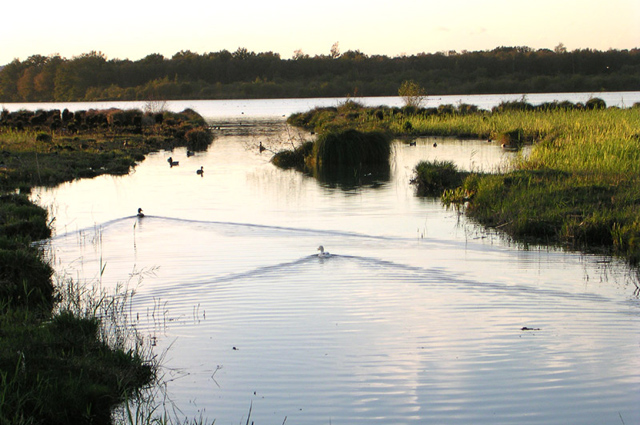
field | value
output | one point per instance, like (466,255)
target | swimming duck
(262,148)
(190,153)
(323,253)
(140,213)
(412,143)
(200,171)
(172,162)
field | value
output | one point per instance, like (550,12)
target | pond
(418,316)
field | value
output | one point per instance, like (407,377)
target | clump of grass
(63,373)
(351,148)
(432,178)
(25,280)
(346,149)
(295,158)
(198,139)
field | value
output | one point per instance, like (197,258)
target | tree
(412,93)
(560,49)
(335,51)
(299,54)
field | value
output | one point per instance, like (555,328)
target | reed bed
(578,187)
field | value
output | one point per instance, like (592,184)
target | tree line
(246,74)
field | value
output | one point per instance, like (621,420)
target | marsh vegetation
(57,365)
(577,186)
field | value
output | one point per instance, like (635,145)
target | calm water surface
(416,318)
(261,108)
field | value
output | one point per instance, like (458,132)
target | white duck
(323,253)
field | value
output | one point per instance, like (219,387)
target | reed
(434,177)
(351,148)
(293,158)
(576,188)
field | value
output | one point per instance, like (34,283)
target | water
(416,317)
(239,109)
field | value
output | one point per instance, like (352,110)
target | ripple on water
(390,329)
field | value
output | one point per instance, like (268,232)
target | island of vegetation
(247,74)
(577,187)
(57,363)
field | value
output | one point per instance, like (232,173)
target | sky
(133,29)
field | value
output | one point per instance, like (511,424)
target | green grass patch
(62,372)
(433,178)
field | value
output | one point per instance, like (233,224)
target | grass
(434,177)
(351,148)
(65,355)
(578,186)
(105,142)
(337,151)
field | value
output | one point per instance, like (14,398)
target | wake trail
(408,273)
(266,227)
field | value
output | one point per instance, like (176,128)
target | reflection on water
(349,179)
(418,316)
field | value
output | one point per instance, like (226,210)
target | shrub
(198,139)
(412,94)
(595,103)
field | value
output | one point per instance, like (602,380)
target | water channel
(419,316)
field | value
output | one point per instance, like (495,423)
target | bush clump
(198,139)
(293,158)
(595,103)
(352,148)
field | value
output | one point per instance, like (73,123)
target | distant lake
(278,108)
(419,316)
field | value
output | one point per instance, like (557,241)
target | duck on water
(323,253)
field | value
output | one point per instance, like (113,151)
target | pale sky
(133,29)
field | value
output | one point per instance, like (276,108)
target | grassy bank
(57,365)
(577,188)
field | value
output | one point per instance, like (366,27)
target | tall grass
(76,365)
(578,187)
(351,148)
(434,177)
